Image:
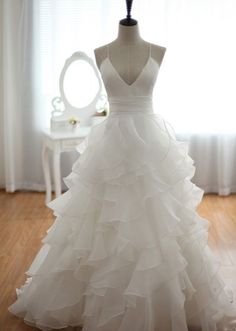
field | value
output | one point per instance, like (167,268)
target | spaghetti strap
(108,51)
(150,48)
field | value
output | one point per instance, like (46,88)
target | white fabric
(215,156)
(12,66)
(128,250)
(22,137)
(195,88)
(2,180)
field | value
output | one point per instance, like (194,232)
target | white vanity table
(73,113)
(58,143)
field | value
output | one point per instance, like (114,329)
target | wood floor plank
(24,219)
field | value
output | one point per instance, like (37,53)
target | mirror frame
(89,109)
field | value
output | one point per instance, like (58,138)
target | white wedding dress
(127,251)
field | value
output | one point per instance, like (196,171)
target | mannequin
(129,53)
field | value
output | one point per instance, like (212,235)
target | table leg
(57,173)
(46,171)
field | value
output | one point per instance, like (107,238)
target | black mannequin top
(128,21)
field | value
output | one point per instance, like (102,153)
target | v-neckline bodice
(117,88)
(119,76)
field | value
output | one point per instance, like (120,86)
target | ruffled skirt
(127,250)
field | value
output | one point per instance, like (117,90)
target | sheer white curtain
(194,92)
(1,105)
(18,133)
(197,89)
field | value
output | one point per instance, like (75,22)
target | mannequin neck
(128,34)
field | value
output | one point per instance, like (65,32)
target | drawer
(71,143)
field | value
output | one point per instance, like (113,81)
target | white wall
(1,107)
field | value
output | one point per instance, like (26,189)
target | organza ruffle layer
(127,250)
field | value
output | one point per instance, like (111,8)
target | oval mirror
(80,85)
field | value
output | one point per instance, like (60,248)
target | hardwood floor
(24,219)
(23,222)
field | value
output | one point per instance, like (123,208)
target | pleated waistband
(131,106)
